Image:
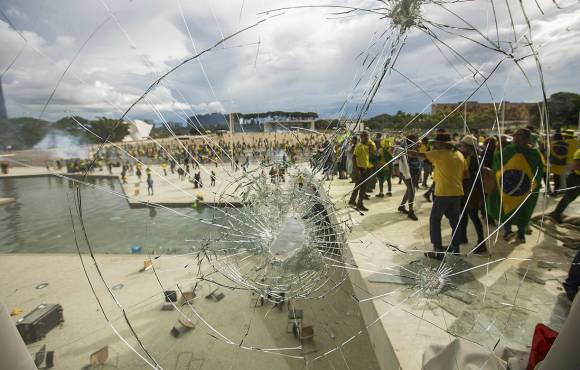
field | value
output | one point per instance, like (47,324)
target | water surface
(39,221)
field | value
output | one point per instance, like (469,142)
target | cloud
(211,107)
(307,59)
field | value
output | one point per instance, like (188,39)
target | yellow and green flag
(518,174)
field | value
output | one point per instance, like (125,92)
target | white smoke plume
(63,145)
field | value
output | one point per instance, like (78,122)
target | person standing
(351,163)
(342,160)
(172,166)
(426,165)
(405,173)
(449,170)
(149,184)
(473,194)
(415,163)
(385,168)
(124,174)
(363,167)
(212,179)
(569,136)
(199,179)
(558,161)
(518,171)
(138,172)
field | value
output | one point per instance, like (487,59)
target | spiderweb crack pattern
(294,240)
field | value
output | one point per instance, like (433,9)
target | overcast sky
(296,60)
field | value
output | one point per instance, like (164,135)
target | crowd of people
(211,151)
(194,158)
(475,177)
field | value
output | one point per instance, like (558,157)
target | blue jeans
(450,207)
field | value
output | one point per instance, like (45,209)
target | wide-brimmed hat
(444,138)
(470,141)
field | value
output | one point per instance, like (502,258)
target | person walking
(473,194)
(138,172)
(362,155)
(351,163)
(415,163)
(385,168)
(558,161)
(172,166)
(212,179)
(518,170)
(406,175)
(572,190)
(449,170)
(149,184)
(426,165)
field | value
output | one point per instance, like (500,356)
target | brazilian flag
(559,151)
(520,175)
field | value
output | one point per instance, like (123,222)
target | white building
(138,130)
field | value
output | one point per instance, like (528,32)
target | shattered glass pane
(247,250)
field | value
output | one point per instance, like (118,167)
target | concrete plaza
(500,296)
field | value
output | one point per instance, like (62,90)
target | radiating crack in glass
(291,241)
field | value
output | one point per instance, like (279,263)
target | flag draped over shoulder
(520,176)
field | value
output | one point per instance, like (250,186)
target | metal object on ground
(170,296)
(35,325)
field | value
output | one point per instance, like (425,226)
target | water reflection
(39,220)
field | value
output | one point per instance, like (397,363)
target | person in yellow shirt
(569,136)
(362,165)
(572,190)
(449,170)
(558,160)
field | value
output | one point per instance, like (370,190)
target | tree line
(25,132)
(563,108)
